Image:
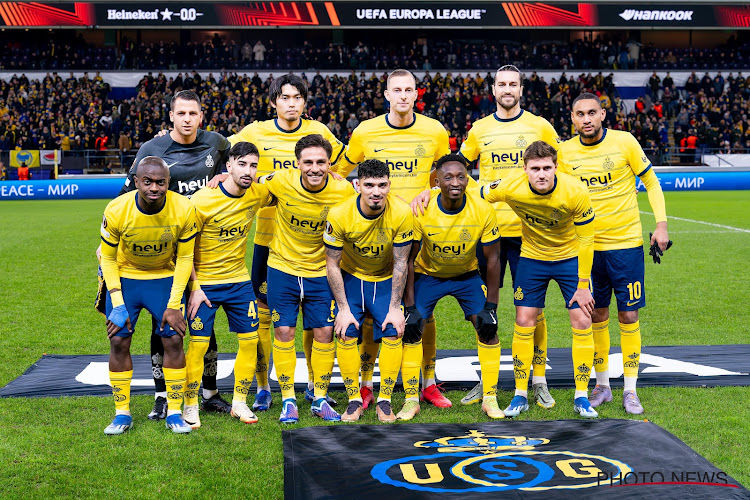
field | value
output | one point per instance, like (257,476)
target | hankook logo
(656,15)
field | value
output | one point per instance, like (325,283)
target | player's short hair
(539,149)
(509,67)
(243,148)
(448,159)
(373,169)
(185,95)
(312,141)
(400,72)
(151,161)
(274,92)
(585,96)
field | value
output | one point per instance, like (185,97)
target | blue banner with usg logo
(62,189)
(507,459)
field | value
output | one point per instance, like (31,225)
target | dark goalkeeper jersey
(191,166)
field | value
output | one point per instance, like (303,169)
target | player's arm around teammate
(140,274)
(444,255)
(367,240)
(221,277)
(557,237)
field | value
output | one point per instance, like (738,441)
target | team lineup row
(345,256)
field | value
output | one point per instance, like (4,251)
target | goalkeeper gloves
(656,252)
(414,325)
(487,322)
(119,316)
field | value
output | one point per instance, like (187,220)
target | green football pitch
(49,447)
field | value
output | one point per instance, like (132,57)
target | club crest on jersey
(608,164)
(521,142)
(166,236)
(464,235)
(420,150)
(382,238)
(324,212)
(556,215)
(209,161)
(519,294)
(250,214)
(197,324)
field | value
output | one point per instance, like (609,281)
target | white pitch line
(703,222)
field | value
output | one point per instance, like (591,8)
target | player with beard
(498,141)
(608,162)
(193,156)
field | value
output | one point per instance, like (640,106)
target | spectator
(23,172)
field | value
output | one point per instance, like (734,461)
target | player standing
(443,262)
(193,156)
(498,141)
(147,257)
(224,218)
(558,243)
(368,239)
(608,163)
(278,138)
(409,144)
(297,270)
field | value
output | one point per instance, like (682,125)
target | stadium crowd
(422,54)
(78,113)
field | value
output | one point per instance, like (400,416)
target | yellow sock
(630,343)
(489,362)
(348,356)
(601,346)
(583,357)
(540,346)
(264,347)
(285,361)
(410,365)
(429,351)
(194,367)
(244,365)
(523,353)
(307,343)
(120,382)
(175,379)
(391,353)
(322,357)
(368,352)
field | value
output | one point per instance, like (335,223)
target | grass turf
(55,446)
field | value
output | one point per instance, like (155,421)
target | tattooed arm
(344,318)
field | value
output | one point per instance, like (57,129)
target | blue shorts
(622,271)
(533,277)
(152,295)
(510,251)
(287,293)
(238,301)
(468,289)
(259,272)
(373,297)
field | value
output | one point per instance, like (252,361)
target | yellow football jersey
(297,247)
(408,151)
(449,239)
(499,144)
(224,222)
(276,147)
(549,220)
(608,169)
(368,242)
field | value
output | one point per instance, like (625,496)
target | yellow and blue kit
(447,263)
(557,234)
(148,256)
(367,256)
(408,151)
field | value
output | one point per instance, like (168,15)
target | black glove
(655,251)
(487,322)
(414,325)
